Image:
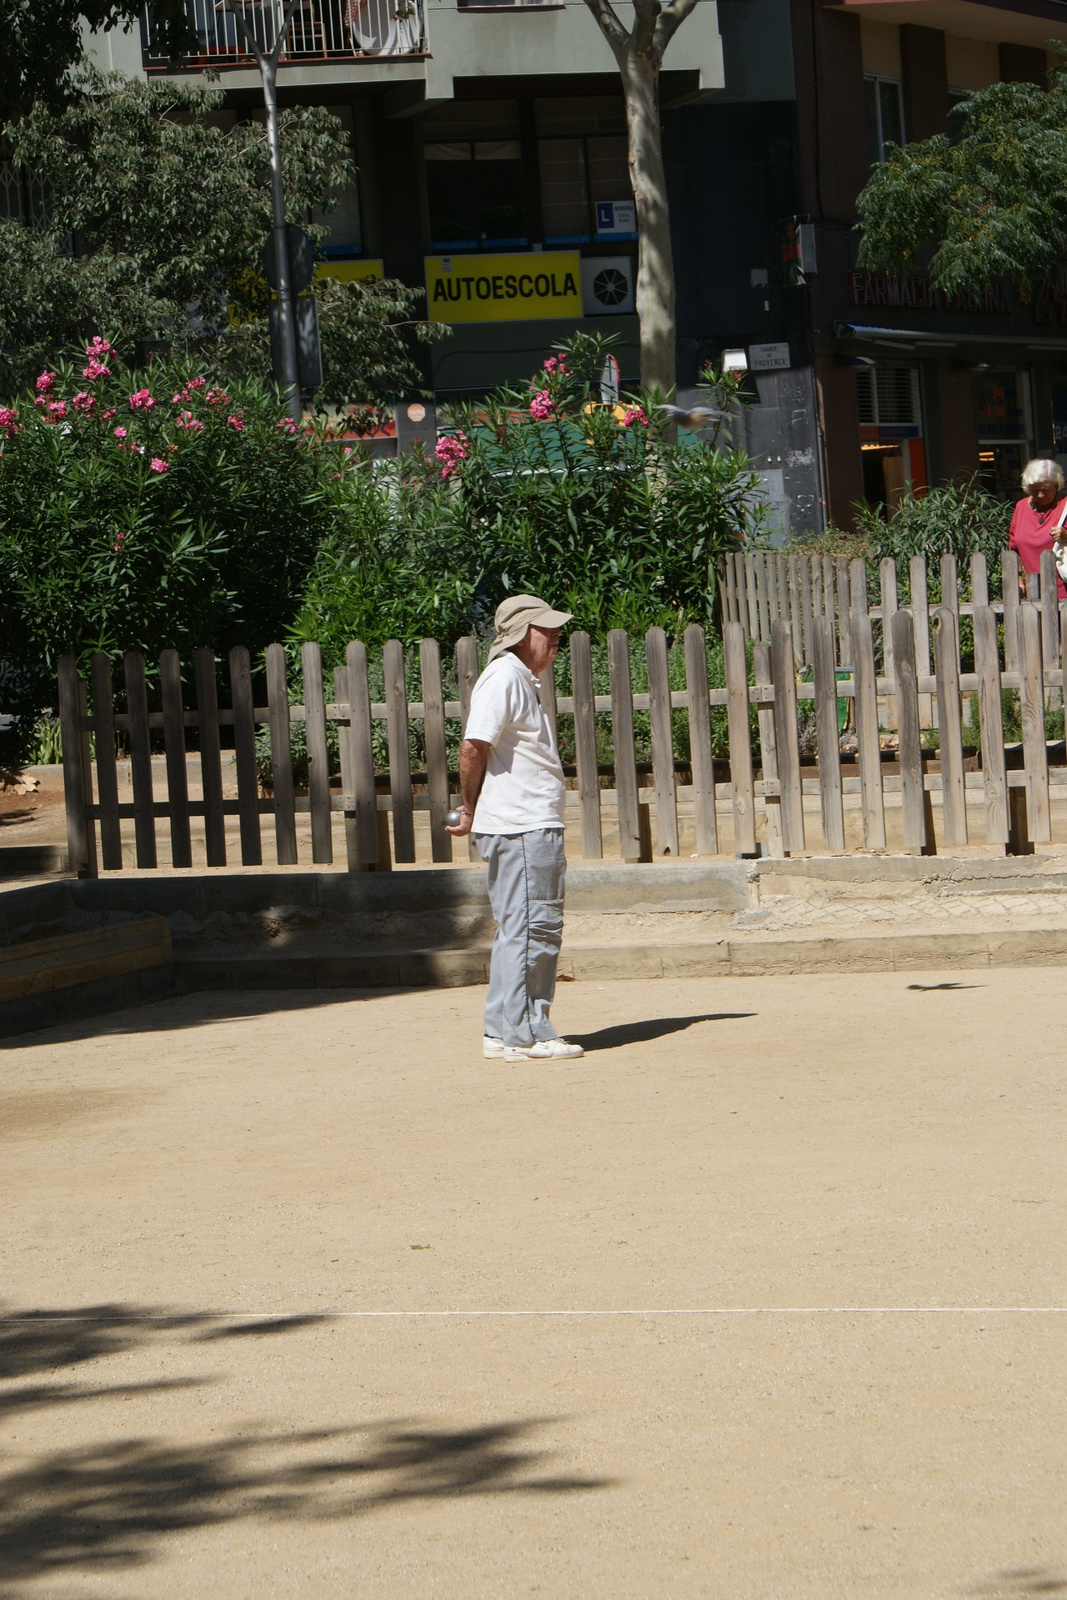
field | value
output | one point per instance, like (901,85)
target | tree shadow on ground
(621,1033)
(196,1009)
(1020,1583)
(104,1507)
(47,1341)
(933,988)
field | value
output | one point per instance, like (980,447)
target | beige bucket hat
(517,614)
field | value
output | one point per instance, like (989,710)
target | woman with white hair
(1039,519)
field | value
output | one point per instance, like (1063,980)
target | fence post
(144,822)
(844,610)
(806,608)
(912,786)
(659,700)
(1050,611)
(107,782)
(244,750)
(774,843)
(281,756)
(371,848)
(751,598)
(207,707)
(622,733)
(870,753)
(991,723)
(81,836)
(1009,583)
(433,704)
(953,791)
(1032,700)
(979,580)
(786,739)
(170,682)
(318,760)
(700,750)
(744,795)
(827,735)
(796,615)
(585,746)
(547,691)
(467,677)
(396,704)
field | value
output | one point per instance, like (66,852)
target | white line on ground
(652,1311)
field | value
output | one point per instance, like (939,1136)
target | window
(884,107)
(476,194)
(576,175)
(345,237)
(893,455)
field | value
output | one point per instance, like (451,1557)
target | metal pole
(268,69)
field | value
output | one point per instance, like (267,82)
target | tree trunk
(654,295)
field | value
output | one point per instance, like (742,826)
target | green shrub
(145,510)
(542,489)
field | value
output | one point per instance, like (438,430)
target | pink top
(1032,532)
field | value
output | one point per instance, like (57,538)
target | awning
(946,341)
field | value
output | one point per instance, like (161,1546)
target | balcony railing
(320,30)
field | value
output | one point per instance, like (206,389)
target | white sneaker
(492,1049)
(544,1050)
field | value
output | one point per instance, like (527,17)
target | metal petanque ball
(453,819)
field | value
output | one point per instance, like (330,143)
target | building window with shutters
(891,434)
(884,108)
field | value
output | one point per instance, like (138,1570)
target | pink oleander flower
(196,383)
(94,369)
(450,450)
(236,422)
(190,423)
(57,409)
(105,416)
(542,406)
(217,397)
(117,546)
(46,382)
(158,465)
(634,416)
(98,347)
(9,422)
(558,366)
(287,424)
(142,401)
(84,402)
(120,433)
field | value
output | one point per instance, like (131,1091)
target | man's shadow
(644,1032)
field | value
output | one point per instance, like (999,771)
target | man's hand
(463,827)
(473,755)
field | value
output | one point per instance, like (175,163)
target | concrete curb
(710,959)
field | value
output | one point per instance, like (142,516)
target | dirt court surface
(763,1298)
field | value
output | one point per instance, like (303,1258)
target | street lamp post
(268,69)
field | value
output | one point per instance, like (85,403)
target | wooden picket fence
(1016,802)
(760,587)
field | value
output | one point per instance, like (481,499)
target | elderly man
(513,800)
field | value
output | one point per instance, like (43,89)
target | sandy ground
(762,1298)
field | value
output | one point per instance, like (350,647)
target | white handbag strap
(1062,519)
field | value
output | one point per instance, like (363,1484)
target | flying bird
(695,417)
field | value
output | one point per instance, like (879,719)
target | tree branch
(610,26)
(646,16)
(670,20)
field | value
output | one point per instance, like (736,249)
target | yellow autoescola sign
(513,288)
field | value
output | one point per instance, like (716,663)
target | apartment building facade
(491,156)
(916,386)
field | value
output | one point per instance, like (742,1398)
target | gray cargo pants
(526,877)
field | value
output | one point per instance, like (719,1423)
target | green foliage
(170,212)
(959,519)
(44,42)
(991,202)
(193,521)
(596,509)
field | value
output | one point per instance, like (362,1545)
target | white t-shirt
(524,787)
